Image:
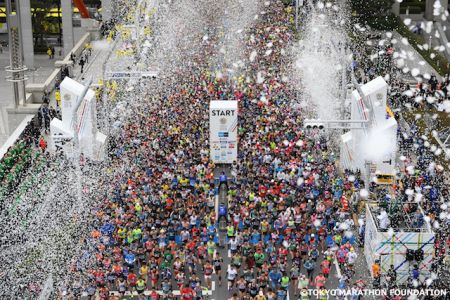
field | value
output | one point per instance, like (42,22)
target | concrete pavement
(43,68)
(8,123)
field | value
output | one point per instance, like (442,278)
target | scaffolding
(392,247)
(443,139)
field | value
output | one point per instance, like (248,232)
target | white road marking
(217,204)
(148,292)
(338,271)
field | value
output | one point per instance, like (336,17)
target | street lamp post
(16,68)
(12,55)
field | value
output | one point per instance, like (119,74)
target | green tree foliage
(287,2)
(39,11)
(374,13)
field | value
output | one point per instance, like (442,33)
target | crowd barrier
(37,90)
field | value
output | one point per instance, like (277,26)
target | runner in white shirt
(231,276)
(351,257)
(233,245)
(193,220)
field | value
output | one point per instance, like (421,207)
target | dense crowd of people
(428,94)
(421,190)
(19,157)
(290,218)
(288,207)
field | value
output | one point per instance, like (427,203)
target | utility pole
(138,28)
(345,55)
(16,67)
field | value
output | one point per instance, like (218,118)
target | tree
(375,13)
(40,10)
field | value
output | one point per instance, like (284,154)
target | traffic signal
(314,124)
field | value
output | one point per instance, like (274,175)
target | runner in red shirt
(262,191)
(190,245)
(201,252)
(154,274)
(154,294)
(208,270)
(326,270)
(169,204)
(99,278)
(132,279)
(320,281)
(283,253)
(104,293)
(187,293)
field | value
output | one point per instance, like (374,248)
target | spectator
(58,97)
(81,63)
(49,53)
(44,115)
(376,273)
(42,144)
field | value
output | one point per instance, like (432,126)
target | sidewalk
(44,67)
(93,69)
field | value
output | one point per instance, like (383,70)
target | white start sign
(223,121)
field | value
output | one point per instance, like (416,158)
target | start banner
(223,121)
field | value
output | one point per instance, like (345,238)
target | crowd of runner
(289,220)
(288,214)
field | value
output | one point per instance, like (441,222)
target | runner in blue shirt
(223,180)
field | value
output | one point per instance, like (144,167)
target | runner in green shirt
(285,281)
(259,259)
(230,231)
(165,264)
(211,247)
